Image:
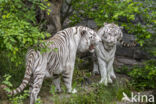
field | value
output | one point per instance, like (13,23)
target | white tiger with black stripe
(103,57)
(55,63)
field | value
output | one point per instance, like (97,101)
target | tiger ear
(83,32)
(105,23)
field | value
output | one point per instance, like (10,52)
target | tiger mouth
(91,47)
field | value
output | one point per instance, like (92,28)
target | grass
(93,94)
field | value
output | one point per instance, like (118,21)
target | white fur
(105,52)
(74,91)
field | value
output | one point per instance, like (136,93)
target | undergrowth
(95,94)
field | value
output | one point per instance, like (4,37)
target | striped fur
(128,45)
(55,63)
(105,51)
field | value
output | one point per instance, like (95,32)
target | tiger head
(110,34)
(89,40)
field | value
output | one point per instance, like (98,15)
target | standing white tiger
(105,51)
(52,63)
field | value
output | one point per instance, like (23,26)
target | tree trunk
(51,15)
(53,19)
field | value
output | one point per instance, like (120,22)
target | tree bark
(52,16)
(53,19)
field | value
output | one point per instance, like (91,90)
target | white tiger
(52,63)
(105,51)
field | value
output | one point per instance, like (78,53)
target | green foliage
(9,67)
(20,98)
(141,77)
(7,82)
(121,12)
(17,99)
(95,94)
(39,101)
(144,77)
(123,70)
(18,28)
(52,90)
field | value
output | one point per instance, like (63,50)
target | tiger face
(89,40)
(111,34)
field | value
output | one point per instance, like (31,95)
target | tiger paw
(58,90)
(110,80)
(103,82)
(74,91)
(113,76)
(96,73)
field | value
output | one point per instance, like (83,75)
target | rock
(127,61)
(127,52)
(89,23)
(132,52)
(121,61)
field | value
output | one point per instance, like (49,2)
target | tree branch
(68,12)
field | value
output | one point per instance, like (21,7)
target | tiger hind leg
(56,82)
(95,65)
(37,83)
(67,82)
(95,69)
(31,84)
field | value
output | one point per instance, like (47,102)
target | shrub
(95,94)
(18,29)
(144,77)
(125,13)
(16,99)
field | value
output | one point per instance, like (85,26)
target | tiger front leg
(110,71)
(67,78)
(103,71)
(37,83)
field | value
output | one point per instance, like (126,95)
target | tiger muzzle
(91,48)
